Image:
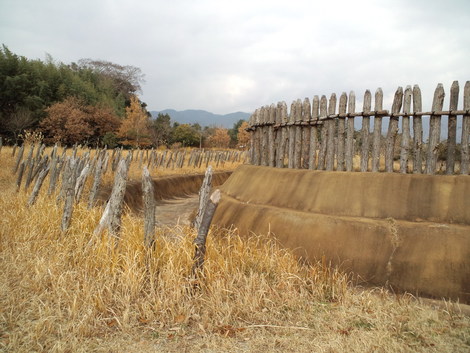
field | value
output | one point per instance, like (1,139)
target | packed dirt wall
(165,188)
(409,232)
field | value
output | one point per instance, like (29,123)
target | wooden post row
(316,137)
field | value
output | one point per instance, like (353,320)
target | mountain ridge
(202,117)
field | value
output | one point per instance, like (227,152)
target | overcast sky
(237,55)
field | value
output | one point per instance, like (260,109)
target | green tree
(29,87)
(186,135)
(160,130)
(233,132)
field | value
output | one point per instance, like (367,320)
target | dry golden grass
(60,294)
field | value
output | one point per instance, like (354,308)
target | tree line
(91,102)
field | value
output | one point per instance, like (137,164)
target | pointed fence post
(323,133)
(434,130)
(70,176)
(271,134)
(204,193)
(200,241)
(331,127)
(365,131)
(393,130)
(148,195)
(96,181)
(20,176)
(112,214)
(349,154)
(81,182)
(291,129)
(452,129)
(343,100)
(18,159)
(417,131)
(465,156)
(405,135)
(312,154)
(37,186)
(377,134)
(56,168)
(282,133)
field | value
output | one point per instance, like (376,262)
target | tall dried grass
(59,292)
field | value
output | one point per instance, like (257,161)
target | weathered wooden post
(377,134)
(282,133)
(312,154)
(20,176)
(18,159)
(277,134)
(112,214)
(40,164)
(68,181)
(37,186)
(330,124)
(258,136)
(65,163)
(405,136)
(365,131)
(39,152)
(306,128)
(434,130)
(343,100)
(271,136)
(55,170)
(264,134)
(200,241)
(393,130)
(298,134)
(53,175)
(203,197)
(148,195)
(291,152)
(452,128)
(30,165)
(323,133)
(417,131)
(350,133)
(465,154)
(81,182)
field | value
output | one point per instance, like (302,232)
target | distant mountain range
(202,117)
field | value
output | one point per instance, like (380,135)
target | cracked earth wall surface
(410,232)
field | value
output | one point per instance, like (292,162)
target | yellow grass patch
(59,292)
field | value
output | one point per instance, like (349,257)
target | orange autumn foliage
(135,127)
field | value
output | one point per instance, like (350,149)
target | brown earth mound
(165,188)
(411,232)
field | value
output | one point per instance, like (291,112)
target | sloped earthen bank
(411,232)
(165,188)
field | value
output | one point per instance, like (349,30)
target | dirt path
(176,211)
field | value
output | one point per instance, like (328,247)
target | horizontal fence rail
(316,136)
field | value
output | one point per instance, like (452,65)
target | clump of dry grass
(59,292)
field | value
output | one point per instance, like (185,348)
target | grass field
(59,292)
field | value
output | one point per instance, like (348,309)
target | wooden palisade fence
(70,171)
(316,136)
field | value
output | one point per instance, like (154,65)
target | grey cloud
(225,56)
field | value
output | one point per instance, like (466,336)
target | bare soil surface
(176,211)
